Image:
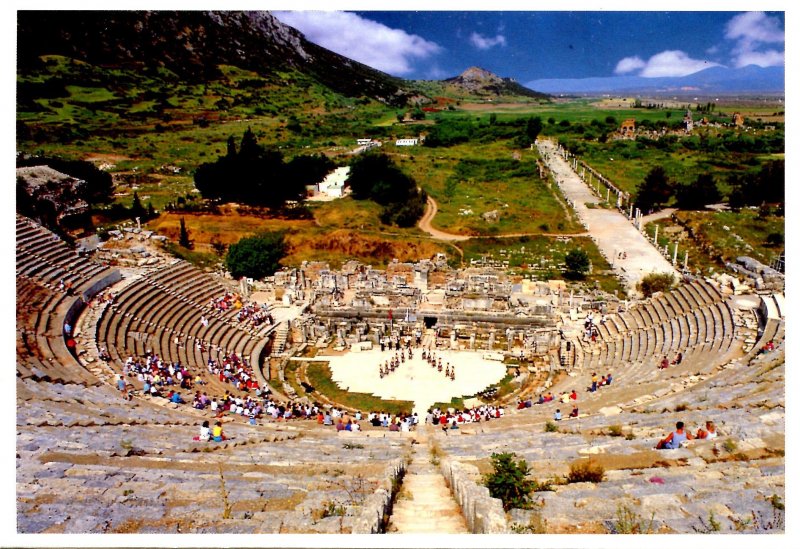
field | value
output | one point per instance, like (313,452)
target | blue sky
(531,45)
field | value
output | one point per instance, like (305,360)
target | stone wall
(483,513)
(379,503)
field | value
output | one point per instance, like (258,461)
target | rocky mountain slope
(481,82)
(193,44)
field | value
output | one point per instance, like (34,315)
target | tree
(695,196)
(183,237)
(577,263)
(256,256)
(137,210)
(656,282)
(418,114)
(450,186)
(655,190)
(508,482)
(533,127)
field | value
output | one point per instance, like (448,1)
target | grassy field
(542,258)
(470,179)
(319,376)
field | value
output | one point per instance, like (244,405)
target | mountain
(480,82)
(193,45)
(714,80)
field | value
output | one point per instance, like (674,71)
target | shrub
(615,430)
(655,282)
(550,427)
(508,481)
(256,256)
(629,522)
(729,445)
(585,471)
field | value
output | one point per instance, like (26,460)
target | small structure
(333,184)
(628,128)
(43,183)
(688,123)
(407,142)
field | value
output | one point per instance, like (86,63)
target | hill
(479,84)
(193,45)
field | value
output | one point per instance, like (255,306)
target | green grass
(541,257)
(319,376)
(487,178)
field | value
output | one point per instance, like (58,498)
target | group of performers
(400,357)
(430,356)
(391,365)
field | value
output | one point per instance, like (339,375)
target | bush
(256,256)
(585,471)
(615,430)
(577,263)
(550,427)
(629,522)
(655,282)
(508,482)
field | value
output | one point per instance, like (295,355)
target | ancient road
(610,229)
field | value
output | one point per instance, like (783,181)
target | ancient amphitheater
(90,460)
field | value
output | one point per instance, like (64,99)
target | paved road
(611,231)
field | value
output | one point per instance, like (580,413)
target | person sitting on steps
(675,438)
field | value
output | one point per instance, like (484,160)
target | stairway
(425,504)
(281,335)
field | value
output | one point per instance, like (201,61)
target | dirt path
(430,212)
(663,214)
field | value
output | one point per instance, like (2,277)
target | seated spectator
(709,432)
(664,364)
(574,412)
(573,395)
(678,358)
(557,415)
(217,434)
(675,438)
(205,433)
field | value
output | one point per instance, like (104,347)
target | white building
(333,184)
(406,142)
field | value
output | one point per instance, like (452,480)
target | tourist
(205,433)
(608,379)
(664,363)
(217,433)
(709,432)
(557,415)
(573,395)
(574,412)
(675,438)
(678,358)
(594,382)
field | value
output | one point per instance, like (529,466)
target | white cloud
(751,31)
(666,63)
(769,58)
(374,44)
(756,27)
(485,42)
(629,64)
(674,63)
